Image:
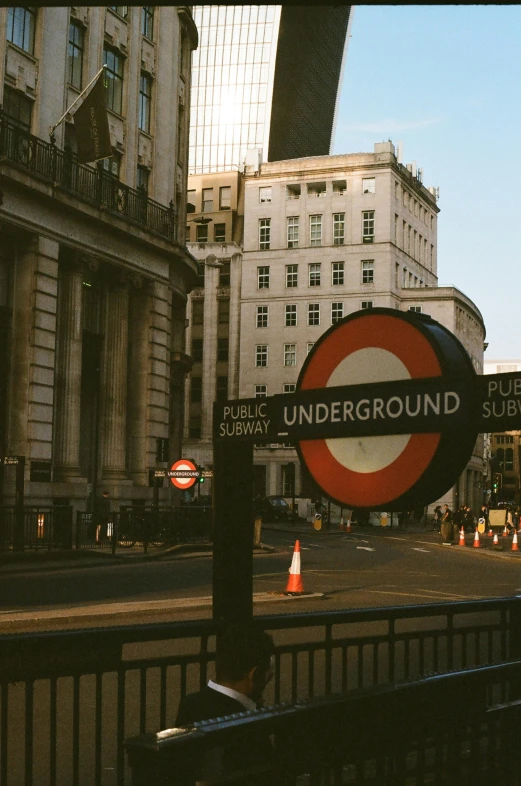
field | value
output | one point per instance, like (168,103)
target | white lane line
(425,551)
(365,548)
(316,546)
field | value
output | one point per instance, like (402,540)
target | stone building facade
(94,272)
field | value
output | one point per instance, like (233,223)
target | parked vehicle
(274,508)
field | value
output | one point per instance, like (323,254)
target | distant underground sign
(397,470)
(186,473)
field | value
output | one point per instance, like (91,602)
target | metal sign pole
(233,532)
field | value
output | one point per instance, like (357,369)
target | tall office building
(265,78)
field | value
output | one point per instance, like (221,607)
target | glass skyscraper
(264,78)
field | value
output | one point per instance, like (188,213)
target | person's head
(244,657)
(446,507)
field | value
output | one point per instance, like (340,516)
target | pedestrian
(447,526)
(436,519)
(102,517)
(243,668)
(469,520)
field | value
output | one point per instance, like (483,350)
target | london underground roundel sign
(186,474)
(389,472)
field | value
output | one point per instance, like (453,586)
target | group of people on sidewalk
(448,524)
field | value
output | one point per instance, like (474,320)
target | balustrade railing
(92,184)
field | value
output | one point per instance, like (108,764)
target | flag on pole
(91,124)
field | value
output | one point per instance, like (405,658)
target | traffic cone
(295,586)
(461,537)
(490,533)
(348,525)
(476,540)
(495,542)
(341,525)
(505,532)
(515,547)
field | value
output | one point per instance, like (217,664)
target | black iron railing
(69,700)
(43,527)
(446,729)
(92,184)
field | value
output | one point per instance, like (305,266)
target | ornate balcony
(62,170)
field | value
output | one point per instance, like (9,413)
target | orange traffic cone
(495,542)
(461,537)
(348,525)
(476,540)
(295,586)
(505,531)
(490,533)
(515,547)
(341,525)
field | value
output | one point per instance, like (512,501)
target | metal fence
(61,168)
(447,729)
(69,700)
(142,527)
(42,527)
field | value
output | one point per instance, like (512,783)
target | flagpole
(51,132)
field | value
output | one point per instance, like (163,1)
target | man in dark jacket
(243,668)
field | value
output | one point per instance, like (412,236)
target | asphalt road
(357,570)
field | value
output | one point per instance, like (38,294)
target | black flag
(91,124)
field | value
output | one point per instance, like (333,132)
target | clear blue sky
(445,80)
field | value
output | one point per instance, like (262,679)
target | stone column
(114,383)
(68,373)
(210,325)
(138,381)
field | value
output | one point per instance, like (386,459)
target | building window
(207,200)
(219,233)
(112,165)
(75,54)
(368,185)
(223,311)
(338,229)
(368,271)
(289,387)
(337,273)
(18,108)
(197,350)
(313,313)
(265,194)
(368,226)
(366,304)
(197,312)
(113,78)
(509,460)
(337,312)
(121,10)
(396,228)
(196,390)
(291,275)
(222,349)
(315,230)
(293,191)
(290,315)
(147,22)
(290,354)
(221,389)
(264,233)
(190,201)
(143,177)
(316,189)
(261,391)
(225,198)
(416,309)
(311,344)
(293,226)
(314,274)
(224,274)
(145,102)
(263,277)
(21,25)
(261,355)
(194,428)
(201,233)
(261,319)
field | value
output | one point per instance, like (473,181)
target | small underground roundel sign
(396,471)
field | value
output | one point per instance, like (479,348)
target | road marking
(410,594)
(365,548)
(316,546)
(425,551)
